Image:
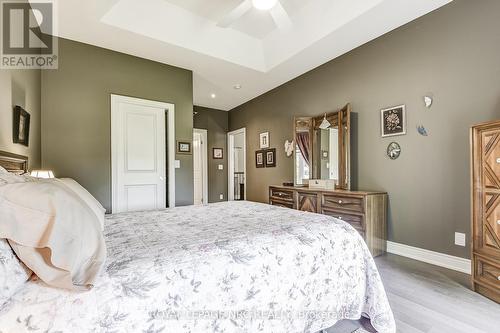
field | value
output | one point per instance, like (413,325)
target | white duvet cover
(227,267)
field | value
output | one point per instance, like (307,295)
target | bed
(226,267)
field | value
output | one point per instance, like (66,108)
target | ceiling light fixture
(264,4)
(213,95)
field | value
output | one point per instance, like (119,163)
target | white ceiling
(253,52)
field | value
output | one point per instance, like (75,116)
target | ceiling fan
(278,13)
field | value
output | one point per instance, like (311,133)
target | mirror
(327,157)
(303,150)
(322,148)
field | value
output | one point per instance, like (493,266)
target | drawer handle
(498,222)
(340,202)
(498,278)
(340,217)
(498,160)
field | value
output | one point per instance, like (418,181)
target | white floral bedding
(227,267)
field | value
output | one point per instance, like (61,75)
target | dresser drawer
(282,203)
(336,201)
(282,194)
(354,220)
(488,273)
(308,202)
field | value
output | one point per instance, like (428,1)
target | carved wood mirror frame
(311,125)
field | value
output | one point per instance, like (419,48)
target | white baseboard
(435,258)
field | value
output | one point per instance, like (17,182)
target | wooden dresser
(485,144)
(365,211)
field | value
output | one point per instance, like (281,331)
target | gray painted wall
(76,116)
(453,54)
(216,124)
(20,87)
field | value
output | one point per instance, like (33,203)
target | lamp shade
(46,174)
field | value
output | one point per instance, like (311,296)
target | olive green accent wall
(452,54)
(76,114)
(20,87)
(216,124)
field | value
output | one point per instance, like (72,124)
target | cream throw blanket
(54,232)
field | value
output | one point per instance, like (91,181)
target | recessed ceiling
(252,51)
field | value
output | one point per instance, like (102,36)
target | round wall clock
(393,150)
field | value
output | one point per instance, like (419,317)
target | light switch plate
(221,196)
(459,239)
(177,164)
(221,166)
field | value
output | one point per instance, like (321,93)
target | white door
(138,154)
(200,166)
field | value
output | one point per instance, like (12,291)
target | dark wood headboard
(14,163)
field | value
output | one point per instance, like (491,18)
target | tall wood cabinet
(485,147)
(365,211)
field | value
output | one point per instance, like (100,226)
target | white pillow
(95,205)
(11,178)
(13,273)
(54,232)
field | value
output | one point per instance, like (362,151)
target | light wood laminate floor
(430,299)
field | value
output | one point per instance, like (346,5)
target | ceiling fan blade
(280,16)
(235,14)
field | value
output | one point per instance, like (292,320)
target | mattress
(226,267)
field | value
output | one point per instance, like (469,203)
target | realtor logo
(28,30)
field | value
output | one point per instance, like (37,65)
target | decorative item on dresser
(485,148)
(365,211)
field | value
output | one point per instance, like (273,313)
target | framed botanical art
(217,153)
(271,158)
(21,126)
(259,159)
(183,147)
(264,140)
(393,121)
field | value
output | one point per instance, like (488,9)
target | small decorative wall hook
(428,101)
(422,131)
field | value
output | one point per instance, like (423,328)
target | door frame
(170,142)
(204,161)
(230,159)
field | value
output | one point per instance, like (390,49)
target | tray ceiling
(252,52)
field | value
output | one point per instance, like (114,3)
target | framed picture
(217,153)
(183,147)
(271,158)
(21,126)
(259,159)
(393,121)
(264,140)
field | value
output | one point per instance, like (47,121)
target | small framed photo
(259,159)
(393,121)
(183,147)
(264,140)
(324,154)
(21,126)
(217,153)
(271,158)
